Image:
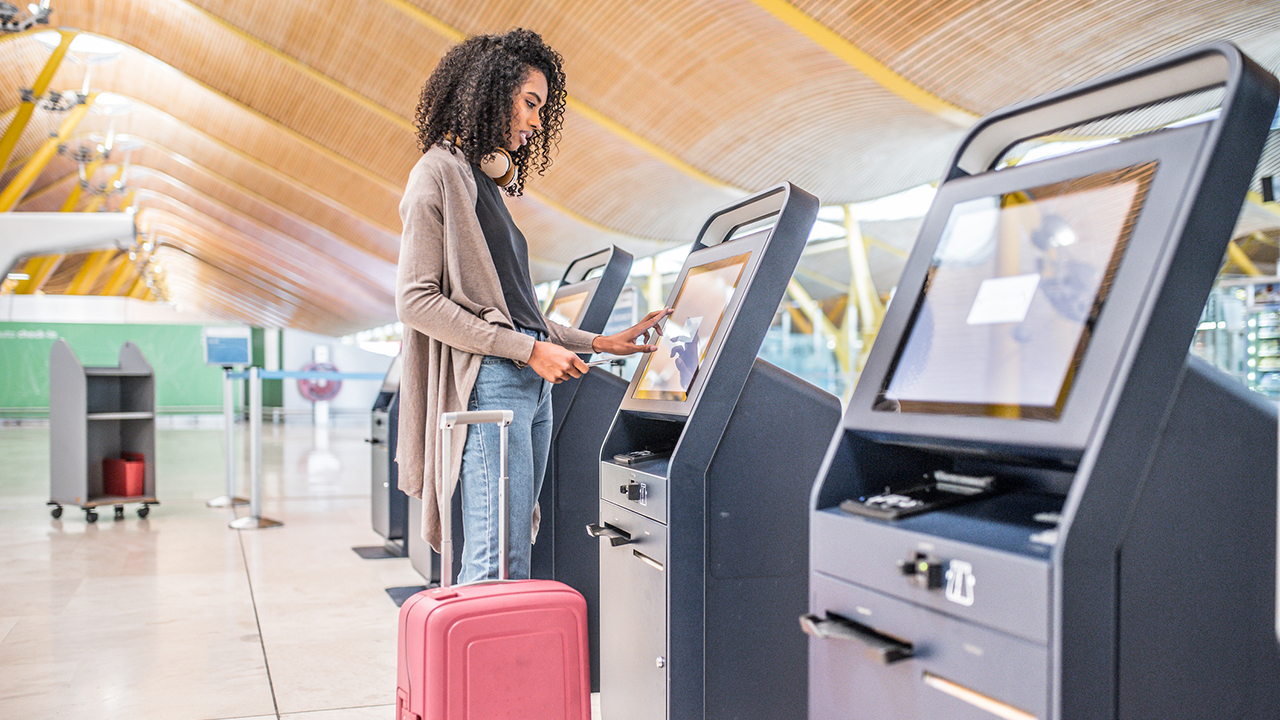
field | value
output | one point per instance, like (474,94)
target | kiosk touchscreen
(701,516)
(1037,503)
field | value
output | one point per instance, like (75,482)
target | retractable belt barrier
(255,376)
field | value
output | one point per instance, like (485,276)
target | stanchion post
(255,520)
(229,421)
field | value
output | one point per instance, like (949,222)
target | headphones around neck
(497,165)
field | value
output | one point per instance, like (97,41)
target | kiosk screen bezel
(1174,152)
(752,244)
(571,289)
(391,381)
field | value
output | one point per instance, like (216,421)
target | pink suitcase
(497,649)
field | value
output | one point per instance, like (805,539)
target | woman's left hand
(624,343)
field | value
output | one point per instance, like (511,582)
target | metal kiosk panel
(702,515)
(1037,502)
(581,410)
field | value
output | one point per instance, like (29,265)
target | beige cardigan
(450,300)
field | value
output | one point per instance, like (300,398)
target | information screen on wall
(225,346)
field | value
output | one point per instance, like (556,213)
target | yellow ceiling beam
(10,196)
(626,134)
(139,291)
(878,72)
(9,140)
(90,271)
(73,197)
(120,276)
(38,270)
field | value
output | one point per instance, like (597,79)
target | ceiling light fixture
(13,20)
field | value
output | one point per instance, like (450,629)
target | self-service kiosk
(388,503)
(581,411)
(1038,505)
(702,505)
(584,299)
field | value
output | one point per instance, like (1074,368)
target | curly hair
(470,94)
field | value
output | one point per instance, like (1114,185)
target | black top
(510,254)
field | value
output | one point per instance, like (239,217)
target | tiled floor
(177,616)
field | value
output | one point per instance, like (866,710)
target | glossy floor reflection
(179,617)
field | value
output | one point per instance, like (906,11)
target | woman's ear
(499,166)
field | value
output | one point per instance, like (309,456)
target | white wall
(296,351)
(95,309)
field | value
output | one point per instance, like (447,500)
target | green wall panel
(183,382)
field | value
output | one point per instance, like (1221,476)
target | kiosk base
(564,551)
(713,592)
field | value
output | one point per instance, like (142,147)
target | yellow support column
(89,272)
(96,202)
(653,291)
(10,139)
(861,286)
(1238,256)
(38,271)
(40,158)
(820,321)
(74,197)
(127,202)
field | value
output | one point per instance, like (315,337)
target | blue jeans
(503,386)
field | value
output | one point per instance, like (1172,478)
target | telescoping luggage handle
(448,421)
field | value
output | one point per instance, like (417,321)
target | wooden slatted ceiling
(1024,48)
(193,179)
(727,88)
(276,256)
(293,97)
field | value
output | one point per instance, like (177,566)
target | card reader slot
(881,647)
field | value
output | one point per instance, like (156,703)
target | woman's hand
(554,363)
(624,343)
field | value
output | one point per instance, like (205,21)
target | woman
(474,337)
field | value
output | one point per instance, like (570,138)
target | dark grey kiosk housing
(703,506)
(389,506)
(1039,505)
(581,411)
(584,299)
